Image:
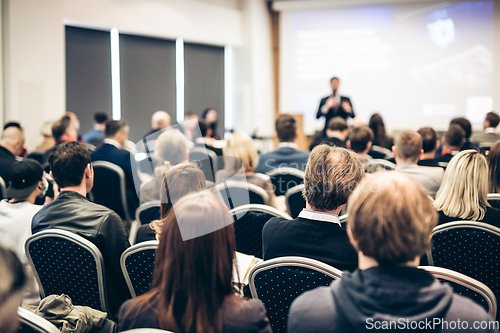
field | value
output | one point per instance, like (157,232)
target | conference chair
(33,323)
(375,165)
(294,200)
(470,248)
(109,188)
(485,147)
(278,282)
(145,214)
(238,193)
(285,178)
(3,189)
(66,263)
(443,165)
(378,152)
(248,223)
(146,330)
(207,160)
(467,287)
(137,263)
(494,199)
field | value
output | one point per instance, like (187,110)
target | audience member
(488,135)
(27,183)
(48,140)
(336,134)
(288,153)
(12,124)
(463,193)
(407,153)
(390,224)
(360,142)
(331,175)
(210,116)
(380,137)
(430,144)
(12,281)
(160,121)
(63,130)
(11,145)
(494,168)
(189,125)
(192,287)
(453,140)
(171,149)
(112,151)
(178,181)
(72,170)
(240,152)
(467,127)
(96,135)
(206,139)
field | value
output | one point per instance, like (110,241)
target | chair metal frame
(287,171)
(148,245)
(3,189)
(292,261)
(381,162)
(243,185)
(211,155)
(80,241)
(146,330)
(465,281)
(293,190)
(144,206)
(261,209)
(36,322)
(443,164)
(388,153)
(493,196)
(123,188)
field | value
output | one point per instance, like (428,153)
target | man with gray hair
(11,145)
(331,175)
(159,122)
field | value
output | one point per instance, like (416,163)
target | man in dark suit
(336,134)
(334,105)
(111,151)
(287,154)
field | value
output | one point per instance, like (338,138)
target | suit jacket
(331,113)
(331,141)
(429,178)
(485,137)
(283,157)
(120,157)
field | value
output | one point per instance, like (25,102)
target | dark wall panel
(88,74)
(204,80)
(147,78)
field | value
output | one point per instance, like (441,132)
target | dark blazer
(71,211)
(492,216)
(6,161)
(323,241)
(283,157)
(331,141)
(120,157)
(331,113)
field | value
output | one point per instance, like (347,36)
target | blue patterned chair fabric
(284,182)
(248,232)
(150,214)
(296,203)
(140,267)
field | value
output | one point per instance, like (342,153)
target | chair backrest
(236,193)
(109,188)
(285,178)
(33,323)
(494,199)
(148,212)
(470,248)
(294,200)
(383,152)
(146,330)
(66,263)
(3,189)
(443,164)
(138,262)
(207,159)
(467,287)
(278,282)
(248,223)
(374,165)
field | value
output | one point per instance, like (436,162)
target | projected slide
(417,66)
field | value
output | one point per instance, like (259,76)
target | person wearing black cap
(27,182)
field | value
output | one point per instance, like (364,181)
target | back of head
(100,117)
(331,175)
(59,127)
(11,135)
(240,146)
(337,124)
(391,218)
(465,124)
(463,192)
(171,146)
(193,275)
(454,136)
(12,281)
(160,120)
(68,162)
(376,124)
(493,118)
(360,137)
(114,126)
(494,168)
(286,128)
(202,123)
(408,145)
(12,124)
(46,129)
(429,139)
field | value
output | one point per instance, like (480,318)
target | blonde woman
(240,147)
(463,192)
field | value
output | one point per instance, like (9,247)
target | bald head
(12,139)
(160,120)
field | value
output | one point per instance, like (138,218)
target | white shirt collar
(489,130)
(288,145)
(319,216)
(113,143)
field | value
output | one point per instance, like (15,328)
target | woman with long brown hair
(380,138)
(192,288)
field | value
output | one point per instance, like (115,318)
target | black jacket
(369,300)
(331,113)
(71,211)
(6,161)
